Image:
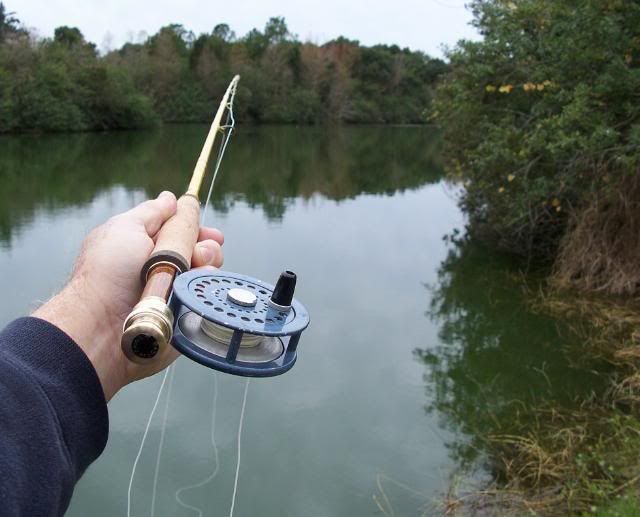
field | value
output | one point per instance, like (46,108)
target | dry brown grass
(600,250)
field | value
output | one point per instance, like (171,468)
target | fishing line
(229,126)
(213,474)
(235,482)
(144,439)
(160,445)
(228,129)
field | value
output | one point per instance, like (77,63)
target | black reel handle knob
(283,292)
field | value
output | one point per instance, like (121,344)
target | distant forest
(65,84)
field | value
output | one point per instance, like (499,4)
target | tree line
(64,84)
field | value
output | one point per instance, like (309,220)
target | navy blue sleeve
(53,418)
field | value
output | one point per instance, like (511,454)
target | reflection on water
(269,167)
(496,356)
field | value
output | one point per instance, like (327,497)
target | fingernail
(165,193)
(206,254)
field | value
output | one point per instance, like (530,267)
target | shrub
(541,115)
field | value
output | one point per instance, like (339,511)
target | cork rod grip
(177,237)
(148,329)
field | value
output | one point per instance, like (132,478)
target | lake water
(416,346)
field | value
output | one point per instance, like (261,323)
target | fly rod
(148,330)
(225,321)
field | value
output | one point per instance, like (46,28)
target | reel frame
(204,292)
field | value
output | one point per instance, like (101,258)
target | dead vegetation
(601,249)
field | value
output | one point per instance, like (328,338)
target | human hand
(105,285)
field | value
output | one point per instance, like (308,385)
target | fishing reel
(230,322)
(237,324)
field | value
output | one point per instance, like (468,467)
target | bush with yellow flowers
(542,115)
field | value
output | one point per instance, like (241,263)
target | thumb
(154,213)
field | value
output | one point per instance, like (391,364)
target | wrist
(78,312)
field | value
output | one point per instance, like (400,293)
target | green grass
(625,506)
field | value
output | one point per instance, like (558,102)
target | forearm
(53,418)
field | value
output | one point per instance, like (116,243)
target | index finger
(154,212)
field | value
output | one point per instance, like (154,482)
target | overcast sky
(418,24)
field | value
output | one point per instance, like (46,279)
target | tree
(8,23)
(223,32)
(276,31)
(255,42)
(68,36)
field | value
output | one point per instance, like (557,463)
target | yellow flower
(527,87)
(506,88)
(558,208)
(628,57)
(500,190)
(548,83)
(510,177)
(490,88)
(540,87)
(556,202)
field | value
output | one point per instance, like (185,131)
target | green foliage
(174,76)
(392,85)
(623,506)
(541,113)
(62,85)
(69,37)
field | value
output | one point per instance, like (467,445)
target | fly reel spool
(237,324)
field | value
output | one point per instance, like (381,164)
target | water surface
(413,340)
